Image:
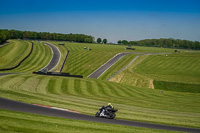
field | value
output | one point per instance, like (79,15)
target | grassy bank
(12,122)
(183,68)
(39,58)
(87,95)
(180,87)
(175,72)
(13,53)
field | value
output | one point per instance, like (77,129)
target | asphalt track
(97,73)
(29,108)
(55,59)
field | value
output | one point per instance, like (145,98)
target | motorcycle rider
(109,108)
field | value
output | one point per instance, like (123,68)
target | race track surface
(55,59)
(97,73)
(29,108)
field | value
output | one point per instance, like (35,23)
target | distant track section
(97,73)
(55,59)
(29,108)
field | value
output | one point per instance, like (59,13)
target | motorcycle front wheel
(97,114)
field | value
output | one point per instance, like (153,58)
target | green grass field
(131,94)
(87,95)
(175,72)
(39,58)
(13,53)
(182,68)
(12,122)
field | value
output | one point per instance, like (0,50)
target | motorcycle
(106,113)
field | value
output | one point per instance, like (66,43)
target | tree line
(164,42)
(16,34)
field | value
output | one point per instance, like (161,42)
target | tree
(99,40)
(125,42)
(105,41)
(119,42)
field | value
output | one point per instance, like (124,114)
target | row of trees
(15,34)
(100,41)
(4,36)
(163,42)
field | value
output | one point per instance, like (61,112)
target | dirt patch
(117,78)
(151,84)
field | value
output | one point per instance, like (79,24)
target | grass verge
(12,122)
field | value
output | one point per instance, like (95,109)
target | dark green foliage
(179,87)
(99,40)
(167,43)
(119,42)
(4,36)
(125,42)
(15,34)
(105,41)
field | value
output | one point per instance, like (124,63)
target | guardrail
(58,74)
(64,61)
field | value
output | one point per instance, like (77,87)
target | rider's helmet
(109,104)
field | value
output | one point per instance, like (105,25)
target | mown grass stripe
(41,88)
(89,88)
(71,87)
(30,84)
(64,86)
(58,84)
(116,92)
(51,85)
(102,89)
(84,89)
(77,87)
